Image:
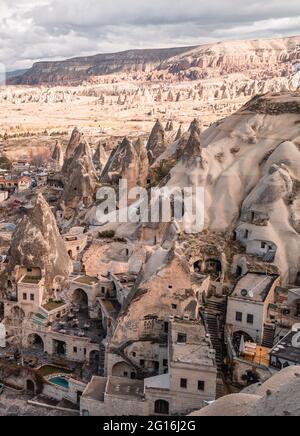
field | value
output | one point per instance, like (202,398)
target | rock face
(157,142)
(166,276)
(259,202)
(212,60)
(76,139)
(58,156)
(78,69)
(78,176)
(259,59)
(128,161)
(100,158)
(41,95)
(37,243)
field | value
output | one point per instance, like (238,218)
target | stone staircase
(101,360)
(214,315)
(269,336)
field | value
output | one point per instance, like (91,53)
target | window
(75,350)
(125,374)
(201,385)
(246,234)
(84,351)
(24,296)
(166,327)
(183,383)
(165,362)
(103,290)
(31,297)
(263,245)
(174,306)
(134,354)
(181,338)
(142,363)
(239,316)
(250,319)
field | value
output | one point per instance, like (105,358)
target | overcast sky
(32,30)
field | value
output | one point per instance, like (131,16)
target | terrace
(31,280)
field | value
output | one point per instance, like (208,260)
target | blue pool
(60,381)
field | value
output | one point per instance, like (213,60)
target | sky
(34,30)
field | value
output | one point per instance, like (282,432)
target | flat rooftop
(123,387)
(87,280)
(31,280)
(254,287)
(196,347)
(96,389)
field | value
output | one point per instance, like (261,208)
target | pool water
(60,381)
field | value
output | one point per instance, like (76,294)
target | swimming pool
(61,381)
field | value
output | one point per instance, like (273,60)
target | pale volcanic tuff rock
(266,133)
(100,158)
(258,59)
(37,243)
(79,178)
(165,276)
(271,57)
(58,155)
(76,139)
(157,142)
(79,69)
(128,161)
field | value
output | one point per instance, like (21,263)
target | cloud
(54,29)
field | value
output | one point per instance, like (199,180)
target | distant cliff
(262,58)
(82,68)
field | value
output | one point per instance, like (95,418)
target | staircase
(214,315)
(101,360)
(269,336)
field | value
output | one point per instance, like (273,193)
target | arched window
(162,407)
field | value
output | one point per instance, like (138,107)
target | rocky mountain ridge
(264,58)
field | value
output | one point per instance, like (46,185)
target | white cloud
(54,29)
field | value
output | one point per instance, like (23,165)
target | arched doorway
(198,266)
(214,266)
(30,387)
(239,271)
(94,357)
(122,369)
(237,337)
(80,299)
(70,253)
(59,348)
(162,407)
(35,342)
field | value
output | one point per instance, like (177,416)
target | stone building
(189,380)
(248,305)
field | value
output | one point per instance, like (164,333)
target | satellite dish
(244,293)
(296,328)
